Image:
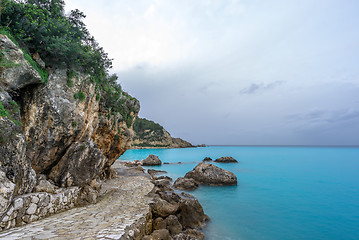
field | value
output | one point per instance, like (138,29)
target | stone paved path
(125,202)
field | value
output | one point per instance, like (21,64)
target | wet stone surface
(124,202)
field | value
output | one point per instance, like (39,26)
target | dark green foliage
(9,111)
(70,75)
(15,106)
(80,96)
(3,112)
(117,137)
(62,40)
(74,124)
(70,83)
(142,124)
(15,121)
(4,63)
(129,121)
(43,73)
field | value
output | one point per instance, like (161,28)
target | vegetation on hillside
(62,40)
(142,124)
(147,130)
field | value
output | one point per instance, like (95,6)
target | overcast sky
(238,71)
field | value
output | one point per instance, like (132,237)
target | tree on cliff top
(41,26)
(62,40)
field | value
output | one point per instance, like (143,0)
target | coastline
(123,211)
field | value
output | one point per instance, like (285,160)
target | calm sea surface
(282,193)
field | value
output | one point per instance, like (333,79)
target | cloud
(254,87)
(326,117)
(230,72)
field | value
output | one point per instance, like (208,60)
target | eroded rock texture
(59,129)
(71,140)
(206,173)
(16,72)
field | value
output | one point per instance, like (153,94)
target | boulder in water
(207,159)
(185,183)
(151,160)
(206,173)
(226,160)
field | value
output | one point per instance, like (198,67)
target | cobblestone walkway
(124,203)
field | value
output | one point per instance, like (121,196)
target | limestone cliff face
(46,128)
(16,174)
(149,134)
(112,135)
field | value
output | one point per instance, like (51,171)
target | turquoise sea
(282,193)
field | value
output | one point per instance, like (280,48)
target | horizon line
(279,145)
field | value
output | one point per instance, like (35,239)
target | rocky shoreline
(134,205)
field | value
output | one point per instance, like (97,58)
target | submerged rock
(151,160)
(226,160)
(210,174)
(154,171)
(163,177)
(185,183)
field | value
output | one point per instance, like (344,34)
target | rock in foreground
(226,160)
(210,174)
(151,160)
(185,183)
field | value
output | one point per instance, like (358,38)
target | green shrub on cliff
(41,26)
(63,40)
(3,112)
(7,64)
(80,96)
(4,63)
(144,129)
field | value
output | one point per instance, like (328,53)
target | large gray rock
(163,208)
(185,183)
(13,161)
(79,166)
(18,73)
(151,160)
(59,131)
(207,159)
(226,160)
(191,214)
(44,186)
(54,119)
(210,174)
(173,225)
(6,194)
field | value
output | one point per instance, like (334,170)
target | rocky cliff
(149,134)
(60,130)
